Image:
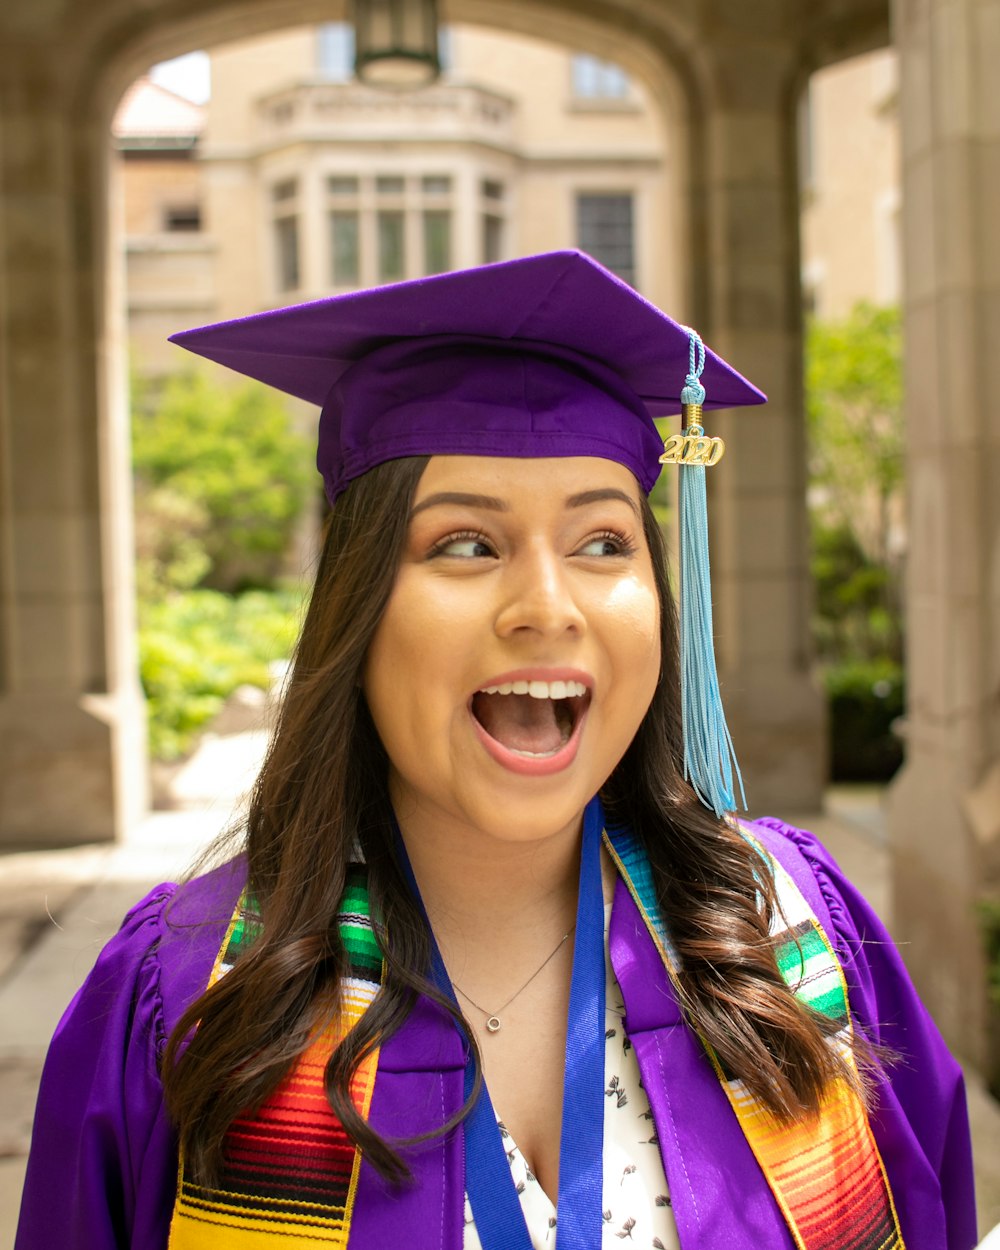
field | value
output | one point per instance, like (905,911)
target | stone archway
(70,716)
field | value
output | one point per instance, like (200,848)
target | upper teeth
(540,689)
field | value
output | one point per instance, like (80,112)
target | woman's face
(520,646)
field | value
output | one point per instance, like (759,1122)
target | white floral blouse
(636,1202)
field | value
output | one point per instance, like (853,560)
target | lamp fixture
(396,42)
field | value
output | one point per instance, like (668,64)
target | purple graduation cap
(548,355)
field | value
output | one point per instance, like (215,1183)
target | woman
(490,972)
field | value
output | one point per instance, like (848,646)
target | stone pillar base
(72,768)
(778,723)
(936,875)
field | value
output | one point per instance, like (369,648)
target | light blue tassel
(709,757)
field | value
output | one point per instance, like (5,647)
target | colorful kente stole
(826,1175)
(291,1172)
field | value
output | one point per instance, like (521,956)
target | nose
(537,597)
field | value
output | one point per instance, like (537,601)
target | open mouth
(532,719)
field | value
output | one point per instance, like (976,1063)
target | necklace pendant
(493,1024)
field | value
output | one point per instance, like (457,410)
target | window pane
(604,230)
(584,72)
(437,241)
(444,48)
(492,238)
(389,184)
(391,256)
(491,189)
(344,249)
(286,247)
(282,191)
(594,79)
(335,50)
(339,184)
(182,217)
(614,82)
(436,184)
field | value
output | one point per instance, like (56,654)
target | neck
(473,883)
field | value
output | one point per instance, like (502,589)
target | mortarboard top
(546,355)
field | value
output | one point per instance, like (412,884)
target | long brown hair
(322,794)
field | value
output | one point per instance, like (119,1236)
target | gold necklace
(493,1017)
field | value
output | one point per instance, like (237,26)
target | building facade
(295,181)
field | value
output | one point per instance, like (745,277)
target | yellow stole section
(290,1171)
(826,1175)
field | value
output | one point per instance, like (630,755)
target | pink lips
(534,766)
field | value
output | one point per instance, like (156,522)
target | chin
(528,813)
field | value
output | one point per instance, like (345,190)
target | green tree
(855,425)
(854,412)
(221,478)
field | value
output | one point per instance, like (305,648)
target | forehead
(539,479)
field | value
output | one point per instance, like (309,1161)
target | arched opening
(724,99)
(295,182)
(850,193)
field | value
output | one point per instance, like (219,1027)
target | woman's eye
(607,545)
(463,547)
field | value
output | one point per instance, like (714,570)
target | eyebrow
(493,504)
(460,497)
(601,496)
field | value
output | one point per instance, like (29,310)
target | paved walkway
(58,907)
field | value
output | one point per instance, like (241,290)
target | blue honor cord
(492,1194)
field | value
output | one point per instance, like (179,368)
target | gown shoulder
(102,1167)
(918,1108)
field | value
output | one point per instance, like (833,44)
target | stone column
(746,302)
(72,746)
(950,115)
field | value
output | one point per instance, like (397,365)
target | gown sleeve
(102,1166)
(919,1117)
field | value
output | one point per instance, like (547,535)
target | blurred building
(725,79)
(296,181)
(170,258)
(849,178)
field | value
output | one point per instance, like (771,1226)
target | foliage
(853,596)
(864,699)
(197,647)
(221,478)
(989,915)
(989,919)
(169,542)
(855,423)
(855,426)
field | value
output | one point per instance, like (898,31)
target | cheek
(634,614)
(408,660)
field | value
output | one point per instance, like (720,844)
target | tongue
(519,722)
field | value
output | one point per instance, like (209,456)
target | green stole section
(826,1174)
(292,1172)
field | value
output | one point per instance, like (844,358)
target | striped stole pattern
(826,1175)
(291,1173)
(290,1170)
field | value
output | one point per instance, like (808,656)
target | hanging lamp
(396,42)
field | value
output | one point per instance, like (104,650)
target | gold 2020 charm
(693,447)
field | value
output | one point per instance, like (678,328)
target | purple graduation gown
(103,1165)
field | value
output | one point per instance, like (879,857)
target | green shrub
(218,470)
(864,699)
(989,914)
(196,648)
(853,619)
